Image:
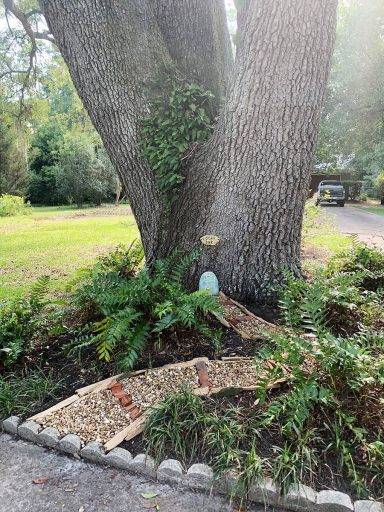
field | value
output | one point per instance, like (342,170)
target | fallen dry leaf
(155,506)
(42,480)
(81,509)
(149,495)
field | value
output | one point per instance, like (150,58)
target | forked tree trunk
(248,183)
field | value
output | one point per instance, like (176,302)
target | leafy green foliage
(18,320)
(331,408)
(21,393)
(81,175)
(13,205)
(361,259)
(135,303)
(335,375)
(179,120)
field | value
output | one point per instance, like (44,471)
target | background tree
(81,175)
(352,127)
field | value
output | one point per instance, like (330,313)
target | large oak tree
(248,183)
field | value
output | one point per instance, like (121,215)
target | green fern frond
(38,291)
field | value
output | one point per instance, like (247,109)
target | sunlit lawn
(56,241)
(378,210)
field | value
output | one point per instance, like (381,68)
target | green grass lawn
(57,241)
(378,210)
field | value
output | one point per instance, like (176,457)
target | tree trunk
(196,35)
(249,182)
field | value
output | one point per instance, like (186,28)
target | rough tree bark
(248,183)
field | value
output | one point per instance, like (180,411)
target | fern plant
(131,309)
(18,319)
(333,375)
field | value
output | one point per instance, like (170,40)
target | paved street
(74,486)
(368,226)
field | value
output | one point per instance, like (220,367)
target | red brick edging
(126,400)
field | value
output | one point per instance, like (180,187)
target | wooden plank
(239,389)
(57,407)
(128,433)
(247,312)
(244,310)
(228,359)
(92,387)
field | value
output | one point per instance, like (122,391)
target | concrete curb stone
(118,458)
(170,471)
(199,476)
(265,491)
(368,506)
(143,464)
(333,501)
(71,444)
(49,437)
(29,430)
(94,452)
(11,424)
(300,497)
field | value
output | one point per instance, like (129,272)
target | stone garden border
(299,498)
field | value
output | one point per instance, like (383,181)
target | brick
(170,471)
(199,476)
(71,443)
(126,400)
(143,464)
(11,425)
(333,501)
(118,458)
(119,394)
(94,452)
(135,413)
(29,431)
(49,437)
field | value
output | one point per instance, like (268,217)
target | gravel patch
(95,417)
(152,386)
(233,373)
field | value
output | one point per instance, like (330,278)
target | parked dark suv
(330,191)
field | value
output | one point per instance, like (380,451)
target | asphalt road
(368,226)
(75,486)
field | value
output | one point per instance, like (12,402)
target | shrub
(13,205)
(18,320)
(352,189)
(133,305)
(363,197)
(361,258)
(379,185)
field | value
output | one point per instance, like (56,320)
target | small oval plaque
(208,281)
(210,240)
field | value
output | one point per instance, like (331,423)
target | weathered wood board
(265,327)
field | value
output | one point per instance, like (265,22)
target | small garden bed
(323,426)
